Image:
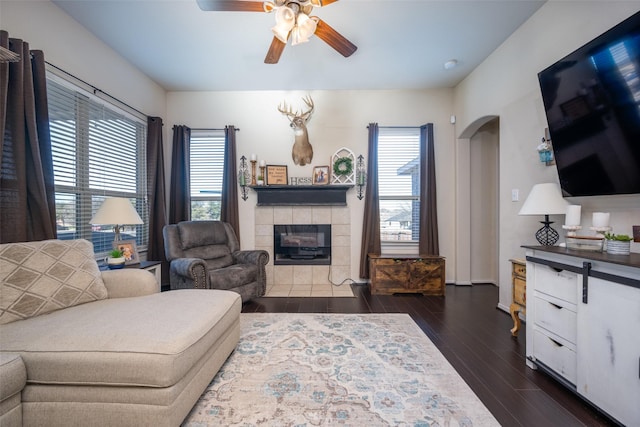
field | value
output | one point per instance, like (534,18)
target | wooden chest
(392,274)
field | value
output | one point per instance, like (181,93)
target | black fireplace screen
(302,244)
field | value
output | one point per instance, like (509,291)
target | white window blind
(399,183)
(207,164)
(98,151)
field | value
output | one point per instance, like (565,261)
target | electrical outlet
(515,195)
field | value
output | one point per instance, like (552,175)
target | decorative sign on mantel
(277,175)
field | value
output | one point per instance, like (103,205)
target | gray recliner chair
(207,255)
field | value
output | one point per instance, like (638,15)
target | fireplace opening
(302,244)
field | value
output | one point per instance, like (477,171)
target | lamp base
(546,235)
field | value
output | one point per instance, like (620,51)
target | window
(399,184)
(207,163)
(98,151)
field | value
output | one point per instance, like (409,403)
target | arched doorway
(477,202)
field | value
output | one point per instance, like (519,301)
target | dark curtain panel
(27,195)
(428,240)
(180,198)
(229,205)
(156,193)
(371,220)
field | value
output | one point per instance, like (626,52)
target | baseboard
(504,308)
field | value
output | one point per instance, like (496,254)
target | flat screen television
(592,102)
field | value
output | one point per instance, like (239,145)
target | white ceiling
(402,44)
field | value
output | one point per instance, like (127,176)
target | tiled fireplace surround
(306,280)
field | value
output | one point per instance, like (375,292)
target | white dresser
(583,325)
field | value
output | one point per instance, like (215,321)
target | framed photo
(321,175)
(277,175)
(129,250)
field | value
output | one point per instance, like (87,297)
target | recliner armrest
(257,257)
(130,282)
(192,269)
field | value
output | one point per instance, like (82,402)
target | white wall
(506,85)
(339,120)
(69,46)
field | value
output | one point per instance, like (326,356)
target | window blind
(98,151)
(206,158)
(399,183)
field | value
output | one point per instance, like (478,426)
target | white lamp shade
(116,211)
(544,199)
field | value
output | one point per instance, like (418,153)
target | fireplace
(302,244)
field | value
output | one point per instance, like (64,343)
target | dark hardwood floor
(474,337)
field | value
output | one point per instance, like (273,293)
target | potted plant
(618,244)
(260,180)
(115,259)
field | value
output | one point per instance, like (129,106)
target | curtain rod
(396,127)
(201,129)
(95,89)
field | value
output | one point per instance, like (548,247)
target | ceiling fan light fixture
(268,6)
(303,30)
(281,32)
(285,16)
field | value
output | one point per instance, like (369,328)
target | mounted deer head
(302,152)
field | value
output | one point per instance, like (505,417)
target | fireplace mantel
(298,195)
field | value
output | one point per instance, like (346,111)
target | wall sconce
(361,176)
(545,149)
(243,177)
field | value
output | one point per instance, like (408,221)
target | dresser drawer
(519,291)
(562,285)
(555,318)
(520,270)
(555,355)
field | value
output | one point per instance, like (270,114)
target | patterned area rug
(336,369)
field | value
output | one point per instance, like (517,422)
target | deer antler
(307,100)
(286,109)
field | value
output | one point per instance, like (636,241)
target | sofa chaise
(82,347)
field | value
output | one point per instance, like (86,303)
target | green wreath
(343,166)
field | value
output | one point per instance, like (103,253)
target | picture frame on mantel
(277,175)
(321,175)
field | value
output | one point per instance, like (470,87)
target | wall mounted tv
(592,102)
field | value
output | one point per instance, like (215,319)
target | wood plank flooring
(474,337)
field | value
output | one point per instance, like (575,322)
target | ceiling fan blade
(334,39)
(231,5)
(275,50)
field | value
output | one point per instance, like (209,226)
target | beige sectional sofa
(104,348)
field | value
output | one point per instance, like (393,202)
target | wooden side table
(392,274)
(519,288)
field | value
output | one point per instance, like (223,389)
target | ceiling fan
(293,21)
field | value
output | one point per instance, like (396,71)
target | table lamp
(116,211)
(545,199)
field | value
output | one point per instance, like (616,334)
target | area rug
(336,369)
